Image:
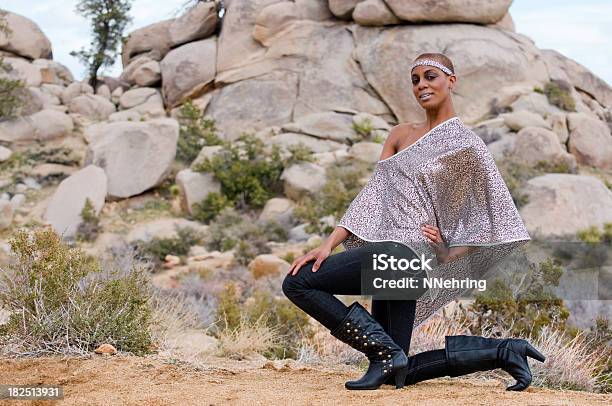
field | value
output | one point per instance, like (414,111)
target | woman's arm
(443,253)
(457,252)
(336,237)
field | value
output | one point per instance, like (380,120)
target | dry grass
(246,338)
(569,364)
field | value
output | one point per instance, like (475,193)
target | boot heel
(400,378)
(533,353)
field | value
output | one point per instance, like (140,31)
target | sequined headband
(431,62)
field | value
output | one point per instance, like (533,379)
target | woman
(433,179)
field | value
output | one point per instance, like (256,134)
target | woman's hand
(432,233)
(318,254)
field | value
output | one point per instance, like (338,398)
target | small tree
(108,20)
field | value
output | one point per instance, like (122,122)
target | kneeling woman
(437,190)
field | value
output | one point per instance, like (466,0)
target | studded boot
(362,332)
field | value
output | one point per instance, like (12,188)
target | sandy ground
(130,380)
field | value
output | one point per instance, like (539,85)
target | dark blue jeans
(340,274)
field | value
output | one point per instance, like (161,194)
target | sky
(579,29)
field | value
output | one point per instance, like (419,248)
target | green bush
(89,228)
(157,248)
(249,175)
(196,131)
(230,230)
(13,95)
(525,311)
(210,207)
(299,153)
(559,94)
(62,301)
(363,128)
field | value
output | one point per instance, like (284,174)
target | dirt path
(129,380)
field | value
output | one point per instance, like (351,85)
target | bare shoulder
(404,130)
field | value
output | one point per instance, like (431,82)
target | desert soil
(131,380)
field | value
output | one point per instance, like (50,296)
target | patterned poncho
(448,179)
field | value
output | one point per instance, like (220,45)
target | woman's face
(430,86)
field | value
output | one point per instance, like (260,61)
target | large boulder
(24,38)
(64,209)
(278,209)
(195,187)
(92,106)
(152,40)
(566,69)
(561,204)
(273,18)
(374,12)
(43,125)
(590,140)
(74,90)
(136,156)
(53,72)
(445,11)
(253,104)
(49,124)
(327,125)
(197,23)
(142,71)
(534,145)
(343,9)
(139,103)
(23,70)
(188,70)
(305,178)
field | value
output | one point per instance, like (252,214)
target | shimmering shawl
(449,179)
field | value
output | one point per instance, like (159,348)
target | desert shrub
(263,310)
(249,173)
(89,228)
(230,230)
(210,207)
(343,184)
(363,128)
(299,152)
(63,301)
(157,248)
(558,94)
(523,310)
(593,235)
(196,131)
(289,321)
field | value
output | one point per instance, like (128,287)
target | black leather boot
(467,354)
(362,332)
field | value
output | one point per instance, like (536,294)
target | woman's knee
(291,285)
